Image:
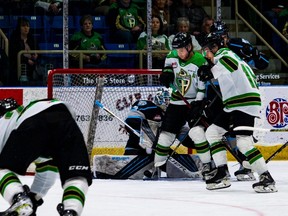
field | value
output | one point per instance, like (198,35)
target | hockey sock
(75,190)
(45,177)
(9,185)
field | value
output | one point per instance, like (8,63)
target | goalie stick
(260,129)
(99,104)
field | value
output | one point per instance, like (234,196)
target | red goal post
(116,89)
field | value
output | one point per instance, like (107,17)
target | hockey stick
(247,165)
(158,164)
(99,104)
(260,129)
(175,89)
(276,152)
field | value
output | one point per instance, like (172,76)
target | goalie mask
(162,97)
(7,104)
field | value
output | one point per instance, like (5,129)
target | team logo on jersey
(183,80)
(277,113)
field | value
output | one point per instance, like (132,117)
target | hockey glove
(204,73)
(195,112)
(167,76)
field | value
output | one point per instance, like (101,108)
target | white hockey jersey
(237,83)
(13,119)
(186,79)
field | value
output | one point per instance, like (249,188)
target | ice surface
(175,198)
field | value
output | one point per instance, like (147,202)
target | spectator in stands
(160,8)
(49,7)
(183,26)
(87,39)
(22,39)
(193,12)
(205,29)
(102,7)
(159,42)
(125,23)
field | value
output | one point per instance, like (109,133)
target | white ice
(175,198)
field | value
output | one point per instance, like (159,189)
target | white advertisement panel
(274,114)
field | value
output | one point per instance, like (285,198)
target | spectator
(205,29)
(183,26)
(160,8)
(87,39)
(125,22)
(49,7)
(193,12)
(22,39)
(159,42)
(102,7)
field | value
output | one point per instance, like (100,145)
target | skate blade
(246,177)
(267,189)
(225,183)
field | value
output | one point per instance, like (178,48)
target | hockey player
(44,131)
(145,115)
(241,100)
(250,54)
(180,72)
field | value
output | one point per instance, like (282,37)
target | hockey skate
(244,174)
(36,203)
(266,184)
(21,205)
(219,179)
(206,171)
(62,212)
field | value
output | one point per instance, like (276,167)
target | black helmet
(181,40)
(219,28)
(213,39)
(7,104)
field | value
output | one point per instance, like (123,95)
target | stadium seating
(51,60)
(5,24)
(120,60)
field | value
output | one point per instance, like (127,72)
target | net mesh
(115,89)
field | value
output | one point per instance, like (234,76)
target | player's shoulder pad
(198,59)
(230,63)
(172,54)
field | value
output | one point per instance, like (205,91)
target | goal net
(116,89)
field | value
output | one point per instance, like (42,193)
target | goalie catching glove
(167,76)
(204,73)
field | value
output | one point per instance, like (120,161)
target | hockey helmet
(181,39)
(7,104)
(219,28)
(162,97)
(213,39)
